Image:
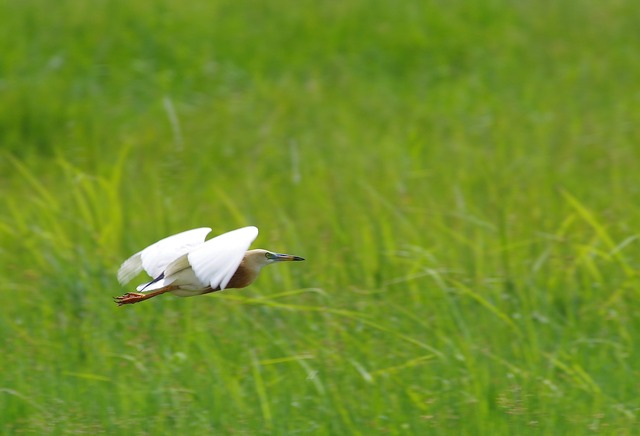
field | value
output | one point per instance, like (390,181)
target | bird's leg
(136,297)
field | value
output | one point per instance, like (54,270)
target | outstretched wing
(216,260)
(155,258)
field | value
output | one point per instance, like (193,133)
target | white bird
(185,265)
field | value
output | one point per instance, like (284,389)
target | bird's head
(259,258)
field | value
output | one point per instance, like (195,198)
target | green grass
(462,178)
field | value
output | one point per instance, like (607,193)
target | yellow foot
(130,298)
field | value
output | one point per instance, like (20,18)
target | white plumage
(155,258)
(189,262)
(187,265)
(215,261)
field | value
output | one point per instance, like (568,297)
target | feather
(155,258)
(215,261)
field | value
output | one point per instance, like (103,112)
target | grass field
(463,178)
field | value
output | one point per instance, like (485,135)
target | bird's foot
(130,298)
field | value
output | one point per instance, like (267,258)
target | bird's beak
(287,257)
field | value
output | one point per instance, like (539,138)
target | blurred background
(461,176)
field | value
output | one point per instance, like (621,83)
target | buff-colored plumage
(185,265)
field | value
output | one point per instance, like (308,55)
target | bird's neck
(246,273)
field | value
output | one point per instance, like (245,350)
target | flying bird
(186,265)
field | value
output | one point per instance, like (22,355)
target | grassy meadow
(463,178)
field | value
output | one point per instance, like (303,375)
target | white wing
(215,261)
(155,258)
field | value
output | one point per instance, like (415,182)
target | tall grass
(461,176)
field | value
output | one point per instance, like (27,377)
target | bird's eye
(269,255)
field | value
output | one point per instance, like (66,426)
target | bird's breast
(242,277)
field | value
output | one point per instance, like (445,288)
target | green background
(462,177)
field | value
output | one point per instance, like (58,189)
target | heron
(186,265)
